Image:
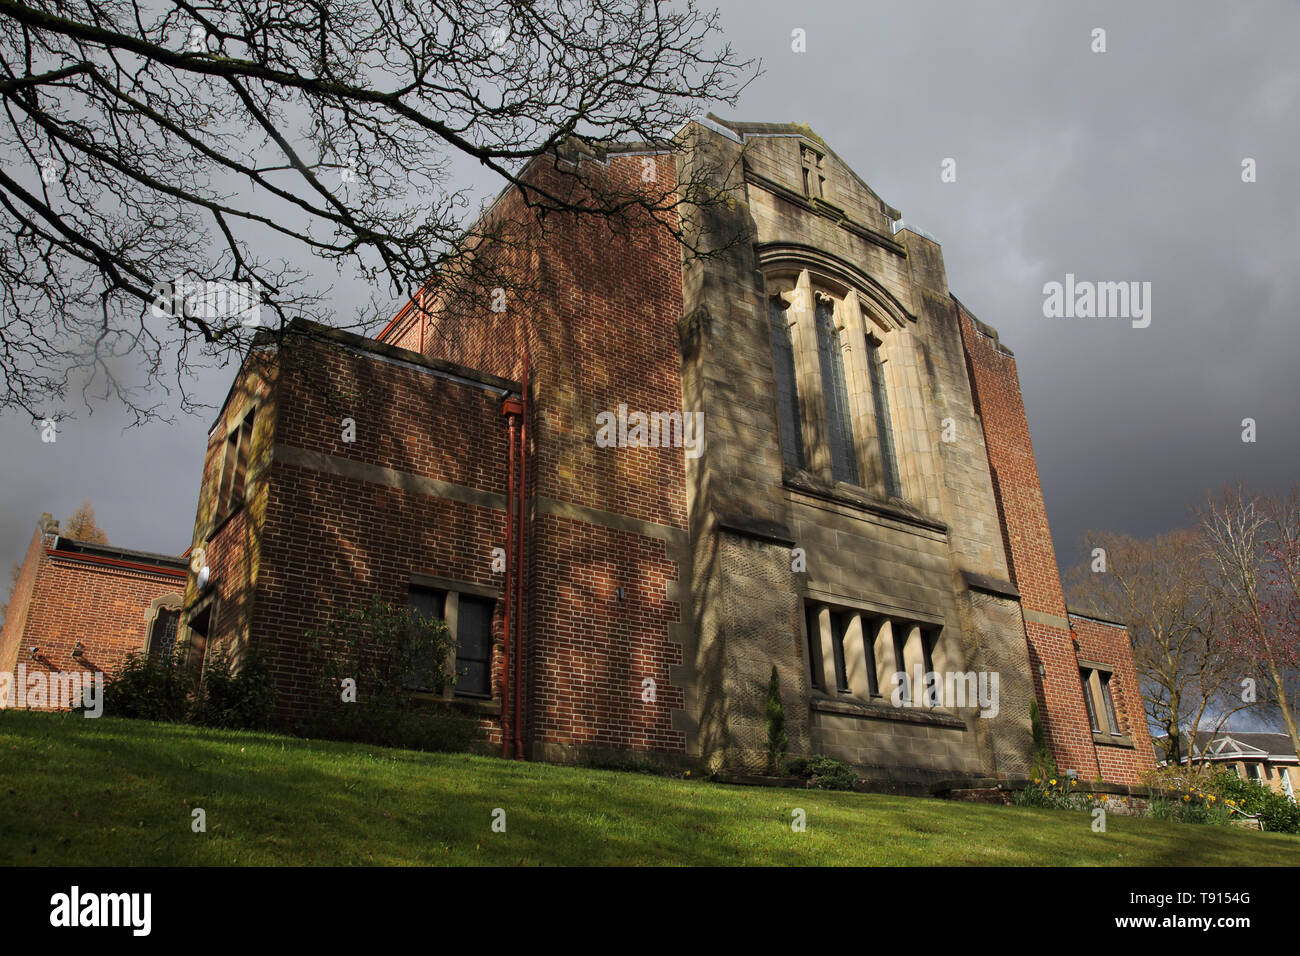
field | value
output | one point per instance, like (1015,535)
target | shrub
(149,688)
(234,699)
(1280,815)
(369,664)
(1044,762)
(777,741)
(1275,811)
(822,772)
(386,651)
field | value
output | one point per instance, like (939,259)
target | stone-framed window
(787,395)
(199,624)
(863,655)
(234,466)
(469,617)
(162,627)
(884,422)
(1099,699)
(903,680)
(836,419)
(814,174)
(835,393)
(812,634)
(837,650)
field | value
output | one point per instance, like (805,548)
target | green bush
(1276,813)
(777,741)
(369,666)
(234,699)
(1044,762)
(149,688)
(1280,815)
(822,772)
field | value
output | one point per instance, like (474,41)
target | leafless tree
(163,154)
(1252,547)
(1158,588)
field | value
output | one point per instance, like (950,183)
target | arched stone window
(787,393)
(834,408)
(163,626)
(835,393)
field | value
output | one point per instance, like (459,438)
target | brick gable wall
(599,324)
(106,608)
(1053,652)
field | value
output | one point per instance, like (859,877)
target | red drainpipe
(520,556)
(509,408)
(512,408)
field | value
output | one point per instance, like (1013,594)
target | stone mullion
(812,404)
(855,658)
(848,316)
(451,614)
(895,664)
(825,642)
(914,658)
(922,463)
(904,454)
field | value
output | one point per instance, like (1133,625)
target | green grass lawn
(118,792)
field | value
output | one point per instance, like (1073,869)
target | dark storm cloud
(1115,166)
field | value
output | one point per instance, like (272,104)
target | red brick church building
(664,476)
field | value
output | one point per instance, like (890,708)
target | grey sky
(1117,166)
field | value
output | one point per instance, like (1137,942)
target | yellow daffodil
(1052,781)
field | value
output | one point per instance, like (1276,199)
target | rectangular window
(933,693)
(900,664)
(787,395)
(812,620)
(474,647)
(884,422)
(429,603)
(1110,704)
(201,625)
(837,647)
(869,629)
(234,467)
(1086,677)
(839,422)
